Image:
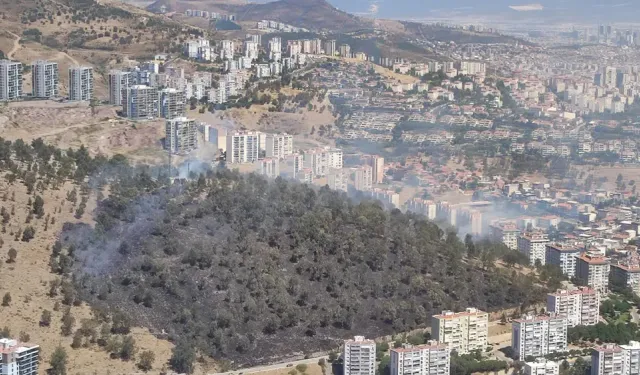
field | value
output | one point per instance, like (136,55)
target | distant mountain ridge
(312,14)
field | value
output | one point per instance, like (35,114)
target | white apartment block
(269,167)
(537,336)
(363,178)
(44,79)
(580,306)
(359,356)
(390,198)
(278,145)
(118,82)
(140,102)
(534,246)
(199,49)
(80,84)
(631,358)
(563,256)
(507,233)
(18,358)
(335,158)
(10,80)
(172,104)
(593,270)
(378,169)
(429,359)
(338,179)
(463,332)
(607,360)
(251,49)
(181,135)
(424,207)
(541,367)
(227,49)
(243,147)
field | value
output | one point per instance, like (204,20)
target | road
(276,366)
(16,45)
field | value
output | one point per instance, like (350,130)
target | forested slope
(250,270)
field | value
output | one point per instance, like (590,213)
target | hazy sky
(592,10)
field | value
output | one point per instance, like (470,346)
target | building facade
(607,359)
(564,257)
(80,84)
(10,80)
(463,332)
(172,104)
(507,233)
(243,147)
(18,358)
(359,356)
(44,79)
(140,102)
(181,135)
(429,359)
(119,81)
(580,306)
(278,145)
(534,246)
(537,336)
(541,367)
(269,167)
(363,178)
(593,270)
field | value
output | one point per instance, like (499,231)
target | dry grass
(72,125)
(26,280)
(312,369)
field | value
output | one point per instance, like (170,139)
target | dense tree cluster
(247,270)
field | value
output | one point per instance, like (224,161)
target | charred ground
(250,271)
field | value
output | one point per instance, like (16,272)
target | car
(290,365)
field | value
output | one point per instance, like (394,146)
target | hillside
(310,14)
(251,270)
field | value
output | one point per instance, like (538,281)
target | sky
(578,10)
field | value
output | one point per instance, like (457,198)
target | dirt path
(16,45)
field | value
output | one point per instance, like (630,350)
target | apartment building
(243,147)
(268,167)
(44,79)
(330,48)
(10,80)
(607,359)
(119,81)
(181,135)
(359,356)
(140,102)
(363,178)
(563,256)
(429,359)
(537,336)
(338,179)
(334,158)
(631,358)
(18,358)
(172,104)
(278,145)
(593,270)
(463,332)
(534,246)
(507,233)
(580,306)
(345,50)
(423,207)
(541,367)
(81,83)
(377,163)
(626,273)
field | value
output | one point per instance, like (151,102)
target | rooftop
(468,312)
